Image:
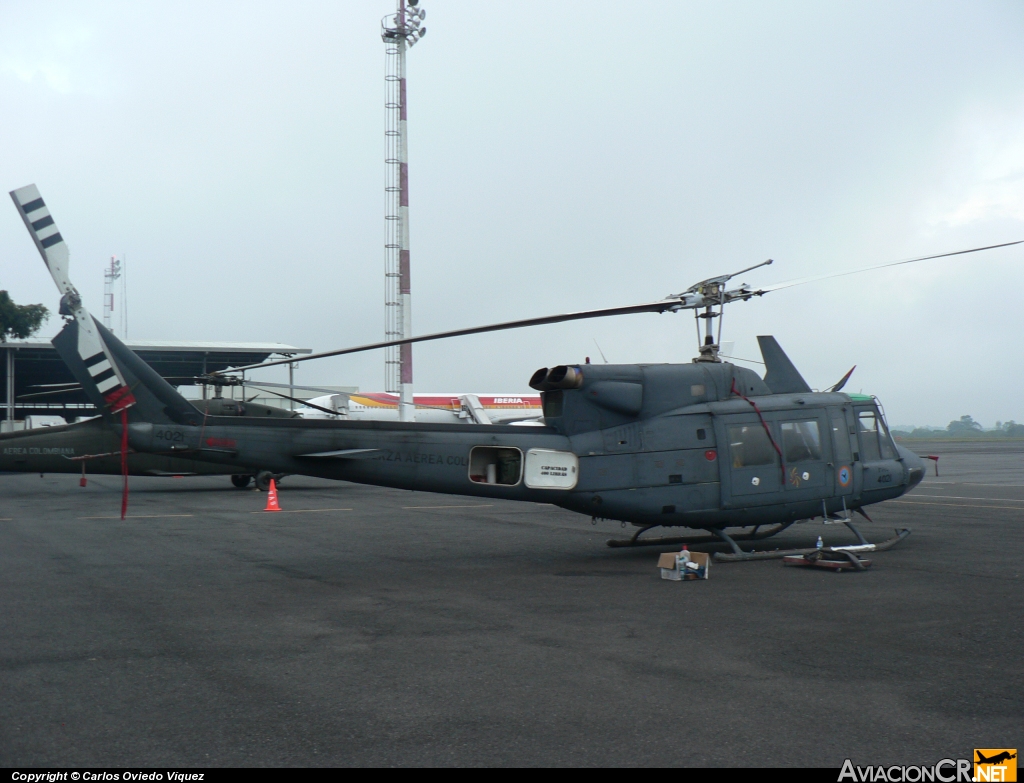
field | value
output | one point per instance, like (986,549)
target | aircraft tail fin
(152,399)
(781,377)
(113,377)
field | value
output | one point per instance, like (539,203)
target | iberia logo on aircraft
(995,764)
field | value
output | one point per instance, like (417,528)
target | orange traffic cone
(272,498)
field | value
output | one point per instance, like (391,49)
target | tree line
(965,427)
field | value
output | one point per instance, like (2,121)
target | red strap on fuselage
(767,429)
(124,461)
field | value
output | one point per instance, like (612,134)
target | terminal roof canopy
(37,365)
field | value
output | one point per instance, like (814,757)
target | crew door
(844,445)
(750,468)
(881,465)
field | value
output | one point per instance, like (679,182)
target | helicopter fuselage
(707,463)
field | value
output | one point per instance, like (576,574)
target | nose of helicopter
(915,467)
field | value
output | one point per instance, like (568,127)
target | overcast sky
(563,157)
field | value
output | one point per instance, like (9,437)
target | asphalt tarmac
(366,626)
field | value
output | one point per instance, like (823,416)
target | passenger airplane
(450,408)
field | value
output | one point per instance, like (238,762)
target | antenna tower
(112,273)
(399,31)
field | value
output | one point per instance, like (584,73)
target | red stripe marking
(119,399)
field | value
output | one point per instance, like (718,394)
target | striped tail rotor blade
(49,242)
(103,370)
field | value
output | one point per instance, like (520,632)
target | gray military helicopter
(707,445)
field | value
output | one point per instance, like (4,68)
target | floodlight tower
(399,31)
(109,276)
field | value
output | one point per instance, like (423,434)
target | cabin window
(801,441)
(701,434)
(750,446)
(840,437)
(495,465)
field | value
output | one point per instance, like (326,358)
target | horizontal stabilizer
(342,454)
(781,376)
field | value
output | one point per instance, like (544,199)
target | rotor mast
(399,32)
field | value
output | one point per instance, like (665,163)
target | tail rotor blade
(104,372)
(44,233)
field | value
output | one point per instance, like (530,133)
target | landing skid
(843,551)
(754,535)
(757,534)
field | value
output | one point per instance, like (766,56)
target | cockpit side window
(885,440)
(875,441)
(867,428)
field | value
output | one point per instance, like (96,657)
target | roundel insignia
(844,476)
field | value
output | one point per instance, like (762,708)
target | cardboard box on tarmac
(667,564)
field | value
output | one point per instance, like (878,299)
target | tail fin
(781,376)
(112,375)
(152,398)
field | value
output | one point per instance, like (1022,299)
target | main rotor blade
(306,403)
(34,395)
(251,384)
(815,278)
(651,307)
(672,303)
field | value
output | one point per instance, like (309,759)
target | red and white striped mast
(399,31)
(109,276)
